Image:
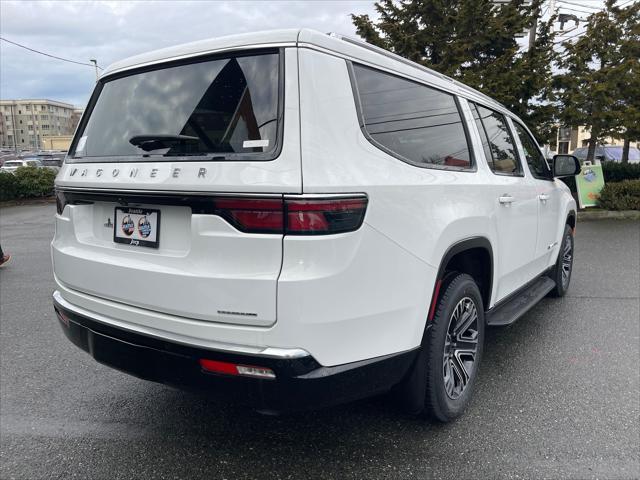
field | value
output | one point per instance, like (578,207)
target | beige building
(57,142)
(26,122)
(568,139)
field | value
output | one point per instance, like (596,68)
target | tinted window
(416,122)
(224,106)
(496,141)
(535,158)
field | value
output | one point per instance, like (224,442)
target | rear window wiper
(149,143)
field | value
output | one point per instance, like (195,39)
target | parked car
(608,153)
(12,165)
(303,220)
(51,161)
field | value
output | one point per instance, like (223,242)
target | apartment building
(25,122)
(570,138)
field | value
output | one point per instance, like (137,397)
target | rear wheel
(561,273)
(442,380)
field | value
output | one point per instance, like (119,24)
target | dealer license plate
(137,226)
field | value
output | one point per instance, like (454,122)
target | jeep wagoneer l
(302,219)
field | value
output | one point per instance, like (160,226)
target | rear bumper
(301,383)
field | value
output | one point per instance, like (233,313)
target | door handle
(506,199)
(543,197)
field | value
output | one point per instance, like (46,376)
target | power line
(569,38)
(576,10)
(49,55)
(625,3)
(578,4)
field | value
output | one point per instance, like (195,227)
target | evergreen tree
(599,84)
(474,41)
(626,76)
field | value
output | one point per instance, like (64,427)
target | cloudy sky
(110,31)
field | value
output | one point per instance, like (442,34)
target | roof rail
(395,56)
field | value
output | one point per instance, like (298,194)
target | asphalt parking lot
(558,393)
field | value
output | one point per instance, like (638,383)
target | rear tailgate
(203,267)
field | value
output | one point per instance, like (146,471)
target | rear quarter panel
(414,215)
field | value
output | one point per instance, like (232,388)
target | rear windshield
(13,164)
(223,108)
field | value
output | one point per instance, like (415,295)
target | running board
(513,308)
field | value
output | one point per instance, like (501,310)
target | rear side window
(497,142)
(416,123)
(224,107)
(535,158)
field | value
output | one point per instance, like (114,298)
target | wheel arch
(571,219)
(473,256)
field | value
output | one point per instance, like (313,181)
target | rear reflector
(62,317)
(227,368)
(304,216)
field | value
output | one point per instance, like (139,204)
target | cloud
(110,31)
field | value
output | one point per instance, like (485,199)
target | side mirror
(565,166)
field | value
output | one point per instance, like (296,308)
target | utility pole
(95,64)
(532,32)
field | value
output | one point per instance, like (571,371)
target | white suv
(302,219)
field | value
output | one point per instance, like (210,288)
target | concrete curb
(609,214)
(28,201)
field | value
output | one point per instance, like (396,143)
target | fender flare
(456,248)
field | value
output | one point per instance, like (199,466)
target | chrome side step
(520,302)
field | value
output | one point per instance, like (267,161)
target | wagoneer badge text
(133,172)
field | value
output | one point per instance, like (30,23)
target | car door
(548,196)
(515,200)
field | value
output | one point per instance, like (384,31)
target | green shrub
(620,195)
(34,182)
(8,186)
(617,172)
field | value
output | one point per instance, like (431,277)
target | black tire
(424,390)
(561,272)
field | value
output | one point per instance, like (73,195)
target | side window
(497,142)
(417,123)
(535,158)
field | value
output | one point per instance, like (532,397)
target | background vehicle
(608,153)
(13,165)
(53,161)
(305,219)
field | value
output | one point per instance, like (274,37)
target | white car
(302,219)
(12,165)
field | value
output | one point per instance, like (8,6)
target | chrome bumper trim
(270,352)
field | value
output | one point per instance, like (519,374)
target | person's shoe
(4,260)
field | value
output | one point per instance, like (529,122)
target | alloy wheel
(567,262)
(460,348)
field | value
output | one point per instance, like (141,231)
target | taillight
(324,216)
(61,201)
(252,215)
(293,216)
